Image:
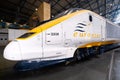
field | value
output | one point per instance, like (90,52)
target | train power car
(71,34)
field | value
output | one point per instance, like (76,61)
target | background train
(75,33)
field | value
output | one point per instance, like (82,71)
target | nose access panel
(12,51)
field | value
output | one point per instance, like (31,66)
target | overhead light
(36,9)
(100,13)
(111,4)
(52,16)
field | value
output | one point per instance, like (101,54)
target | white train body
(59,38)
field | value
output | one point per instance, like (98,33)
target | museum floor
(96,68)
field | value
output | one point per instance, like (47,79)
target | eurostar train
(71,34)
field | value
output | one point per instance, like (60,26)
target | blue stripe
(26,65)
(82,24)
(79,27)
(79,30)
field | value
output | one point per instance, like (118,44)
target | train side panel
(112,31)
(80,30)
(59,41)
(53,43)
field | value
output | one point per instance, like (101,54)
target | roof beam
(89,4)
(68,3)
(78,2)
(98,6)
(19,8)
(18,5)
(59,4)
(55,3)
(12,12)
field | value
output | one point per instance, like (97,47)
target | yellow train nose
(12,51)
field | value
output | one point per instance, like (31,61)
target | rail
(114,67)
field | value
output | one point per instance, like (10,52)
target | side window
(90,18)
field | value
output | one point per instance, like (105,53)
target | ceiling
(21,10)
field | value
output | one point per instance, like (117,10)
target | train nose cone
(12,51)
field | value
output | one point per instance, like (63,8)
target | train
(75,33)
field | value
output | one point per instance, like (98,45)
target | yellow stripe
(52,23)
(98,43)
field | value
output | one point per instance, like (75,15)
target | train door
(96,28)
(53,42)
(103,26)
(54,35)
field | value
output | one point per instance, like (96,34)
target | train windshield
(67,12)
(26,35)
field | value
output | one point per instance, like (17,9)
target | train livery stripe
(82,24)
(79,27)
(52,23)
(79,30)
(98,43)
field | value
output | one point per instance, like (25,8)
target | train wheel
(77,55)
(102,49)
(86,52)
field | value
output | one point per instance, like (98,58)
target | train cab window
(26,35)
(90,18)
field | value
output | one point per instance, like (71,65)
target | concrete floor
(5,64)
(115,66)
(93,69)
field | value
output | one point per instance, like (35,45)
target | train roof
(68,11)
(71,10)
